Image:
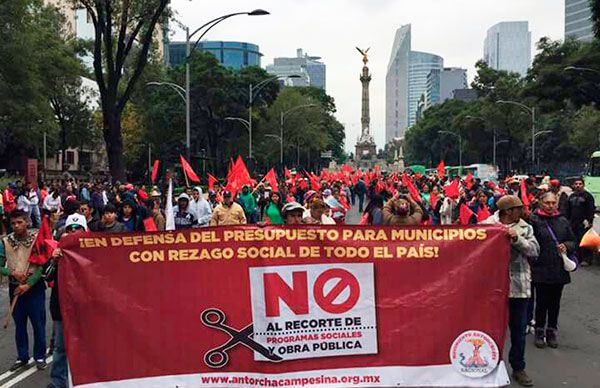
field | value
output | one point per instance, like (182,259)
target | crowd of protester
(545,220)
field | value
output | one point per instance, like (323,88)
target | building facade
(507,47)
(420,65)
(578,20)
(396,85)
(441,84)
(234,55)
(311,70)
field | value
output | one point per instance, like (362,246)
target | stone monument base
(366,155)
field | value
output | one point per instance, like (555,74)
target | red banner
(298,307)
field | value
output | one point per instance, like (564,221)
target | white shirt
(51,203)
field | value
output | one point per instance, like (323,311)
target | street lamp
(188,51)
(282,118)
(459,147)
(253,91)
(530,110)
(178,89)
(577,68)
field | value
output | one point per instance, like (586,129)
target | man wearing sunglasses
(75,224)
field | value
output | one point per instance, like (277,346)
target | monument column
(366,151)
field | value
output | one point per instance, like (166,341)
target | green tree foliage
(561,87)
(595,8)
(124,33)
(40,84)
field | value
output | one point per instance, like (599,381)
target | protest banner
(296,307)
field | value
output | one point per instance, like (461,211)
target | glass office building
(234,55)
(578,20)
(420,65)
(396,85)
(310,69)
(507,47)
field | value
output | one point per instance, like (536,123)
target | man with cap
(317,212)
(75,224)
(524,247)
(184,219)
(292,213)
(228,213)
(563,198)
(247,200)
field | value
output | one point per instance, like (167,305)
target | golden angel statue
(364,54)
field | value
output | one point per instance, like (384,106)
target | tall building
(396,85)
(508,47)
(406,83)
(578,20)
(234,55)
(441,84)
(420,65)
(311,70)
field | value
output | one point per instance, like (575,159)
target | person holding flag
(27,292)
(402,209)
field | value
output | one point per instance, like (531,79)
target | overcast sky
(454,29)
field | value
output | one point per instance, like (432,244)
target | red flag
(287,173)
(211,182)
(465,214)
(441,170)
(524,196)
(40,252)
(414,193)
(433,199)
(314,181)
(470,181)
(271,179)
(346,169)
(155,170)
(188,171)
(150,225)
(483,214)
(451,190)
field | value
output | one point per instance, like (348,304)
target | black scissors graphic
(217,357)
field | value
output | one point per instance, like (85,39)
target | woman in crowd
(373,211)
(555,237)
(272,210)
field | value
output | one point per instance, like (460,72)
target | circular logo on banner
(474,354)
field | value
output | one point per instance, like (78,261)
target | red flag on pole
(433,200)
(451,190)
(188,171)
(470,181)
(155,170)
(40,253)
(465,214)
(211,182)
(524,196)
(414,193)
(271,179)
(483,214)
(287,173)
(441,170)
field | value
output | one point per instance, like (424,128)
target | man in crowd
(184,219)
(108,222)
(200,207)
(360,190)
(25,284)
(402,210)
(228,213)
(524,247)
(292,213)
(86,210)
(580,212)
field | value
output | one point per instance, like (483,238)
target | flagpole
(258,184)
(187,182)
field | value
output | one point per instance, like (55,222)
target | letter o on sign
(343,280)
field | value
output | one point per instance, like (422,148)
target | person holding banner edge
(524,247)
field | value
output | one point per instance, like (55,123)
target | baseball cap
(288,207)
(226,194)
(76,221)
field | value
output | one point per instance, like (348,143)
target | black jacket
(548,268)
(581,207)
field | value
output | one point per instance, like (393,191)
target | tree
(124,32)
(595,8)
(39,81)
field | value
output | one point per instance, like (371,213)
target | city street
(576,363)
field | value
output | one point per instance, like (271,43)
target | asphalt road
(576,363)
